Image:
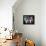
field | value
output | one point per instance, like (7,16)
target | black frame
(28,19)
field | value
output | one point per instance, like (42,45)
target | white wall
(6,13)
(28,7)
(43,22)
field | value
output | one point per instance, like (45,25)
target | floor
(16,41)
(9,43)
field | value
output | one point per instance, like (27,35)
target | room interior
(15,29)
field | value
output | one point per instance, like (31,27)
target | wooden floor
(9,43)
(16,41)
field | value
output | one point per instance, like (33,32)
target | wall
(43,22)
(28,7)
(6,13)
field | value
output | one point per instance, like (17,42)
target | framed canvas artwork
(28,19)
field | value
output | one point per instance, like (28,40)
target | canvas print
(28,19)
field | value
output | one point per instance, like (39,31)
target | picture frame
(28,19)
